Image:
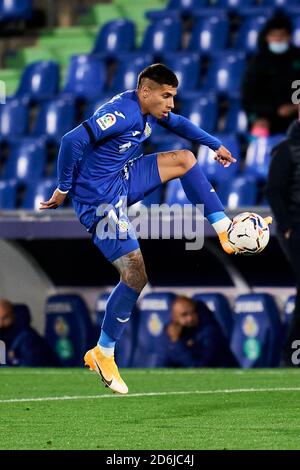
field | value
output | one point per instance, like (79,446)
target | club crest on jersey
(147,130)
(106,121)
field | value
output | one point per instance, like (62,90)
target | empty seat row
(254,327)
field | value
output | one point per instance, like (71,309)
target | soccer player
(100,161)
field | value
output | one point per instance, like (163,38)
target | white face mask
(278,47)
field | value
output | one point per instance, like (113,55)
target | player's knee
(135,278)
(187,159)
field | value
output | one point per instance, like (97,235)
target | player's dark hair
(158,73)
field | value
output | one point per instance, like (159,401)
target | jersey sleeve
(108,121)
(188,130)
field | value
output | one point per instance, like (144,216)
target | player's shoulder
(123,106)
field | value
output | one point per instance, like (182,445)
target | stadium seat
(86,77)
(218,304)
(225,73)
(27,161)
(236,119)
(202,110)
(8,194)
(38,192)
(239,192)
(22,315)
(257,332)
(248,33)
(54,119)
(155,311)
(175,193)
(185,6)
(92,106)
(235,5)
(186,66)
(279,3)
(209,34)
(125,346)
(288,311)
(215,172)
(39,81)
(296,31)
(69,330)
(115,37)
(258,156)
(127,72)
(162,36)
(14,118)
(15,9)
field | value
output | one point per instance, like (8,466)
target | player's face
(278,36)
(160,100)
(184,313)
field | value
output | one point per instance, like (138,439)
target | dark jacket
(267,84)
(25,347)
(283,188)
(202,346)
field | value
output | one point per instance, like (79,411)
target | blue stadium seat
(27,161)
(258,156)
(115,37)
(92,106)
(38,192)
(39,81)
(236,119)
(155,313)
(218,304)
(296,31)
(175,193)
(288,311)
(8,194)
(54,119)
(225,73)
(186,66)
(202,110)
(69,330)
(279,3)
(185,6)
(162,36)
(257,332)
(125,346)
(22,315)
(15,9)
(235,5)
(256,11)
(248,33)
(86,77)
(209,34)
(166,142)
(14,118)
(215,172)
(127,72)
(239,192)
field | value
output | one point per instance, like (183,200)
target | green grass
(205,415)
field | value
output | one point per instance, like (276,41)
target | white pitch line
(153,394)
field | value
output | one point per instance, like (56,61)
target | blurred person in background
(283,191)
(267,82)
(193,338)
(24,346)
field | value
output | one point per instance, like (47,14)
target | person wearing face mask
(267,83)
(193,338)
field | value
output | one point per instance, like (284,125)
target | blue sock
(199,191)
(117,313)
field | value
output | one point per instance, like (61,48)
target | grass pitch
(165,409)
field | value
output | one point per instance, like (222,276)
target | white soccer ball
(248,233)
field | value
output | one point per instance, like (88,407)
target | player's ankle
(219,221)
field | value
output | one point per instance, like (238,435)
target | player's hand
(224,157)
(56,200)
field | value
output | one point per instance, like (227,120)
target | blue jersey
(92,156)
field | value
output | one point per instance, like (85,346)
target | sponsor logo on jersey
(134,133)
(117,113)
(147,130)
(106,121)
(124,147)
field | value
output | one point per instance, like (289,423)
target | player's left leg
(183,164)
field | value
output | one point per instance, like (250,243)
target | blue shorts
(139,177)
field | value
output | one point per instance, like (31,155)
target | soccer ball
(248,233)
